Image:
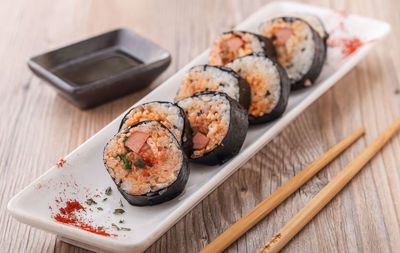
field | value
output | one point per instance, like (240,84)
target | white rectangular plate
(84,175)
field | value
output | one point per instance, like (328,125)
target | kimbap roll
(316,23)
(235,44)
(219,125)
(147,163)
(300,49)
(169,114)
(215,78)
(269,85)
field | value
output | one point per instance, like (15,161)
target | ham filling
(229,49)
(282,35)
(136,141)
(200,141)
(232,45)
(286,36)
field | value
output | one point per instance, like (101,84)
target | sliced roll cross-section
(215,78)
(235,44)
(169,114)
(316,23)
(147,163)
(269,85)
(219,125)
(300,49)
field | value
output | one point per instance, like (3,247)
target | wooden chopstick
(280,239)
(267,205)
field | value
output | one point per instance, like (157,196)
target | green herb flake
(108,192)
(119,211)
(126,229)
(74,217)
(91,202)
(100,209)
(120,203)
(121,221)
(139,163)
(127,163)
(115,226)
(125,138)
(105,199)
(100,228)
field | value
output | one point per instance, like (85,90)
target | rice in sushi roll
(235,44)
(300,49)
(215,78)
(269,85)
(169,114)
(147,163)
(316,23)
(219,125)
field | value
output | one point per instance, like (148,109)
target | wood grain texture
(323,197)
(38,127)
(269,204)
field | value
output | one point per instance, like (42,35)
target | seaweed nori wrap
(215,78)
(300,49)
(269,84)
(219,125)
(146,163)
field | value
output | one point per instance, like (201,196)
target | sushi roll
(169,114)
(235,44)
(147,163)
(317,24)
(269,85)
(314,21)
(219,125)
(300,49)
(215,78)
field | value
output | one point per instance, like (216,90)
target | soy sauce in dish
(91,68)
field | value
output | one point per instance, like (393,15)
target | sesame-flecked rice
(166,113)
(263,79)
(205,77)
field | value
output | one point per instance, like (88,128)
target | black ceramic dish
(101,68)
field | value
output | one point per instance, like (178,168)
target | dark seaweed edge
(244,88)
(234,138)
(326,34)
(162,195)
(186,138)
(280,108)
(320,51)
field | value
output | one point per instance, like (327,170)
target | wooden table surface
(38,127)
